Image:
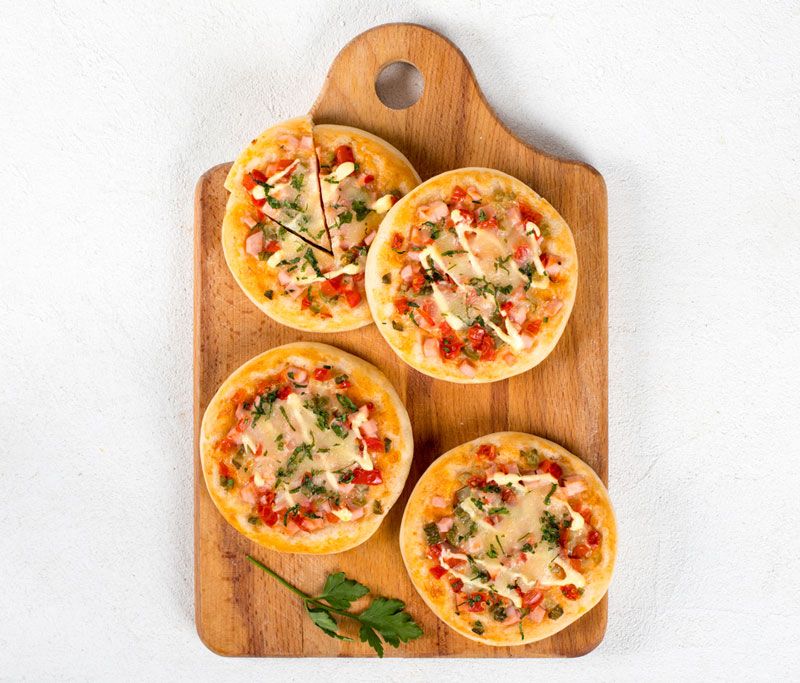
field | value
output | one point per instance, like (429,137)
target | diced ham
(306,142)
(510,358)
(473,193)
(289,143)
(518,314)
(430,347)
(298,374)
(527,341)
(284,278)
(358,513)
(512,616)
(514,216)
(537,614)
(438,502)
(467,369)
(281,192)
(433,212)
(249,493)
(248,221)
(368,239)
(444,524)
(554,268)
(552,306)
(254,244)
(574,485)
(370,429)
(406,273)
(346,488)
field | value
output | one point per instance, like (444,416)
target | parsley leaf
(385,618)
(340,592)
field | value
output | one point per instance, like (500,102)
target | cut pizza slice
(277,174)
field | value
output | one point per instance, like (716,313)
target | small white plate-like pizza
(305,203)
(509,538)
(472,276)
(305,448)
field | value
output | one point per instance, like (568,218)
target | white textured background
(109,113)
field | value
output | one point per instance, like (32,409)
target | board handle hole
(399,85)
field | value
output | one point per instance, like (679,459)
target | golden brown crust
(383,259)
(441,479)
(368,384)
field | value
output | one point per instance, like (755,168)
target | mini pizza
(472,276)
(300,269)
(305,449)
(509,538)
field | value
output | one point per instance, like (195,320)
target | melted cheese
(506,538)
(308,276)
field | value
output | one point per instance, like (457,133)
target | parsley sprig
(385,618)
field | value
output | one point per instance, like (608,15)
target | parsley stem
(306,598)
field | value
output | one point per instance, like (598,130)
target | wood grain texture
(241,611)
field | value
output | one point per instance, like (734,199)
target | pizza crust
(368,384)
(382,259)
(441,479)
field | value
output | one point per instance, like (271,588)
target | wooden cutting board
(238,609)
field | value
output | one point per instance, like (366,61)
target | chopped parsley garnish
(286,417)
(339,430)
(262,406)
(319,406)
(346,403)
(550,493)
(297,181)
(361,209)
(550,528)
(498,510)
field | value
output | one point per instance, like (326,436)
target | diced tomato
(277,167)
(368,477)
(549,467)
(224,471)
(352,297)
(488,224)
(507,495)
(438,571)
(457,585)
(593,538)
(325,313)
(272,246)
(344,384)
(305,302)
(435,551)
(476,335)
(397,241)
(248,183)
(417,282)
(344,153)
(426,314)
(454,562)
(258,176)
(333,286)
(545,259)
(521,253)
(321,374)
(528,214)
(284,391)
(476,482)
(331,518)
(488,451)
(476,602)
(458,194)
(487,349)
(367,179)
(563,537)
(226,444)
(449,345)
(570,591)
(506,306)
(531,598)
(258,202)
(401,305)
(580,551)
(532,327)
(268,515)
(374,444)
